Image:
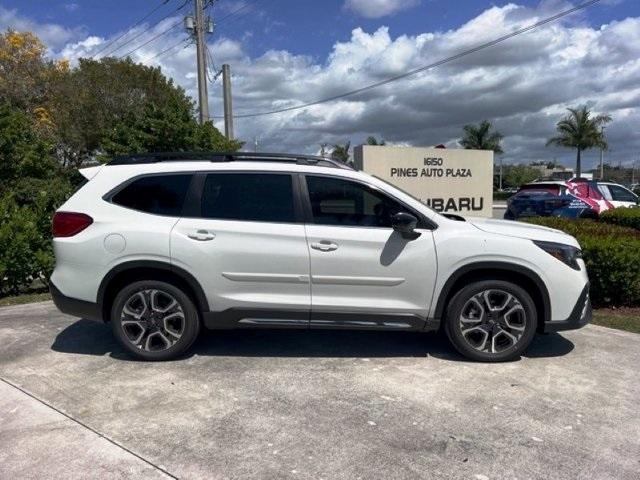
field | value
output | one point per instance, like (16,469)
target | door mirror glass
(404,223)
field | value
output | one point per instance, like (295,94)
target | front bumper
(75,307)
(579,317)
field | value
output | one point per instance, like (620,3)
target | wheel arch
(522,276)
(128,272)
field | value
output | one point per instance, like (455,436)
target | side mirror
(405,224)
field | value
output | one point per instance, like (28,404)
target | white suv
(160,245)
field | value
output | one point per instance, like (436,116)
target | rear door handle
(202,235)
(324,246)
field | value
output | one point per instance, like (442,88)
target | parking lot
(319,404)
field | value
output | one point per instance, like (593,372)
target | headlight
(565,253)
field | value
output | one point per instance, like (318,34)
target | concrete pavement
(38,441)
(319,404)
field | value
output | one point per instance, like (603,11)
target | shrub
(25,251)
(626,217)
(612,256)
(501,196)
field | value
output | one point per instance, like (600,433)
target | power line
(211,74)
(183,41)
(427,67)
(142,32)
(154,10)
(163,32)
(239,9)
(210,6)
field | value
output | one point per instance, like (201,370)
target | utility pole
(500,189)
(199,26)
(228,108)
(602,155)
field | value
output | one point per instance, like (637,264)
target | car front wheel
(491,321)
(154,320)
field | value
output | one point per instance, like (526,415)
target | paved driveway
(332,405)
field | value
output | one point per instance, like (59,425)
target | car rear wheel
(154,320)
(491,321)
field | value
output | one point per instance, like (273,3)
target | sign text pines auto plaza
(448,180)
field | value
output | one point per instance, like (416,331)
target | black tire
(467,333)
(181,331)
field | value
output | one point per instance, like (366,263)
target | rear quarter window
(156,194)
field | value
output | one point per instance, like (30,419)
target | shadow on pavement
(549,345)
(87,337)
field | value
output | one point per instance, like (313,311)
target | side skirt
(259,318)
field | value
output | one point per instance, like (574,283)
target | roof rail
(157,157)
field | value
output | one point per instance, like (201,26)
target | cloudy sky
(288,52)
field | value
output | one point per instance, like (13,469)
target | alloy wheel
(152,320)
(492,321)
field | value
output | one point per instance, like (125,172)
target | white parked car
(161,245)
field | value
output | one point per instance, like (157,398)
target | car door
(363,273)
(621,197)
(244,241)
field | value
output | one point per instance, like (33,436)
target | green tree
(341,152)
(516,175)
(22,152)
(22,69)
(93,99)
(581,131)
(481,137)
(31,187)
(375,142)
(169,128)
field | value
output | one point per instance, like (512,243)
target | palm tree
(375,142)
(341,152)
(581,131)
(480,137)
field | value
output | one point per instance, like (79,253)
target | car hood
(522,230)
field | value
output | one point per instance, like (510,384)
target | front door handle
(202,235)
(324,246)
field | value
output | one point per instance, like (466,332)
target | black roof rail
(157,157)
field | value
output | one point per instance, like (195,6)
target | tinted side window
(261,197)
(620,194)
(157,194)
(340,202)
(605,192)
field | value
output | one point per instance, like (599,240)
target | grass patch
(627,319)
(24,298)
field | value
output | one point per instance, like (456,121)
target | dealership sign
(448,180)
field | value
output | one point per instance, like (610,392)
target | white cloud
(52,34)
(378,8)
(523,85)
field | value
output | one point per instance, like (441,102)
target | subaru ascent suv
(161,245)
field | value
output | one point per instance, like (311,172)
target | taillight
(68,224)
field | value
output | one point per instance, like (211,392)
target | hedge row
(501,196)
(26,253)
(612,256)
(626,217)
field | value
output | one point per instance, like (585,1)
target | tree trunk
(578,165)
